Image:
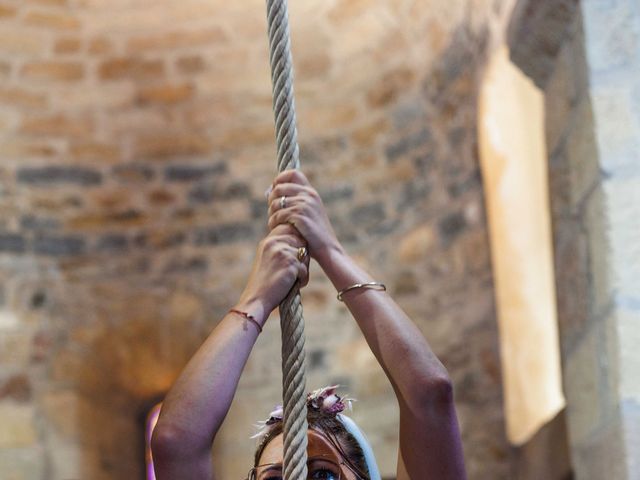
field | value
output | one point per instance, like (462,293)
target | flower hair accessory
(321,400)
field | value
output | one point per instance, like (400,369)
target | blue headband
(370,459)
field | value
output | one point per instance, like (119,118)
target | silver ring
(283,202)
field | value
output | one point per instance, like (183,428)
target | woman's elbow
(433,392)
(440,390)
(165,442)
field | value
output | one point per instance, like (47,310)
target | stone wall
(136,142)
(587,64)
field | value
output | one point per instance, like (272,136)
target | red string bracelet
(249,317)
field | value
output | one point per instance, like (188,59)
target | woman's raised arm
(199,400)
(430,444)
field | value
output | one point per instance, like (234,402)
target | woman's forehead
(318,444)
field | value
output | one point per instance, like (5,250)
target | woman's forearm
(394,339)
(199,400)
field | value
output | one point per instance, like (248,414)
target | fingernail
(267,192)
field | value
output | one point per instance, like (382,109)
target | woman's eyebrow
(273,467)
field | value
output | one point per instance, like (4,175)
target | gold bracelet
(372,285)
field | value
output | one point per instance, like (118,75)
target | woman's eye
(323,474)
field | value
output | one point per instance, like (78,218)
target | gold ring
(302,253)
(283,202)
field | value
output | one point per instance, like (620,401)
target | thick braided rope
(291,320)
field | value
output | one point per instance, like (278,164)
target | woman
(193,411)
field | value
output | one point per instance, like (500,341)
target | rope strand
(291,320)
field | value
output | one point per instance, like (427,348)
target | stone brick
(416,244)
(536,34)
(612,38)
(184,306)
(166,94)
(112,242)
(38,300)
(412,193)
(50,3)
(57,125)
(112,200)
(346,10)
(187,173)
(21,97)
(59,245)
(18,425)
(225,233)
(131,68)
(58,175)
(317,359)
(322,117)
(319,149)
(21,42)
(367,215)
(163,238)
(23,463)
(598,251)
(7,11)
(336,193)
(100,46)
(582,153)
(55,21)
(190,64)
(389,87)
(175,40)
(581,378)
(12,242)
(208,192)
(44,201)
(40,350)
(262,134)
(627,327)
(167,145)
(409,143)
(193,264)
(631,422)
(133,173)
(161,197)
(16,388)
(602,455)
(560,97)
(314,66)
(5,70)
(33,222)
(367,135)
(54,71)
(451,226)
(462,185)
(100,152)
(67,45)
(124,218)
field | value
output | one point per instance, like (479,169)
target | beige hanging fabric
(291,320)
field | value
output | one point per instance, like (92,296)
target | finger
(303,273)
(278,204)
(289,231)
(290,240)
(286,190)
(292,176)
(286,216)
(293,204)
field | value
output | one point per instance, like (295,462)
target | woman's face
(321,454)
